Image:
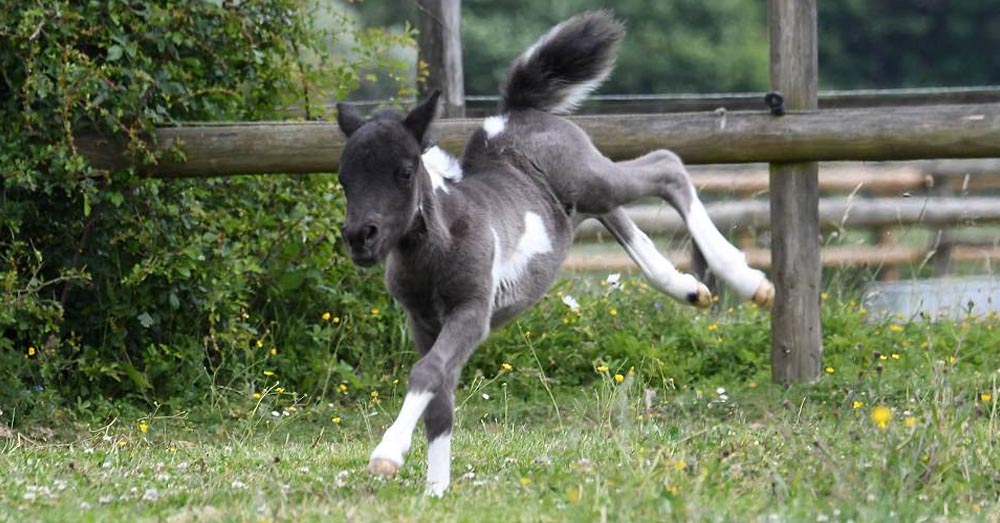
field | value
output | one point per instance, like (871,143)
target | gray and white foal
(471,243)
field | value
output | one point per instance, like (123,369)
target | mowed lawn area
(883,436)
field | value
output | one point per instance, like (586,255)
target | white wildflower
(486,396)
(571,303)
(238,485)
(150,495)
(614,280)
(341,479)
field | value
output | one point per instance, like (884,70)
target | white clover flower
(614,280)
(571,303)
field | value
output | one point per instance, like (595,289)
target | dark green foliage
(119,287)
(905,43)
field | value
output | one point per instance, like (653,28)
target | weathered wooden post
(440,47)
(796,343)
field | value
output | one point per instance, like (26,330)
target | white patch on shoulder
(508,267)
(441,167)
(495,125)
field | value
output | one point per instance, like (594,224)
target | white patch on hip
(441,167)
(495,125)
(439,465)
(725,260)
(509,267)
(658,270)
(399,436)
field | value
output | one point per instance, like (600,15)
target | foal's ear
(349,119)
(421,116)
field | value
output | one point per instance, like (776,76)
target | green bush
(119,287)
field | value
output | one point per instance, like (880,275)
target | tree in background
(676,46)
(908,43)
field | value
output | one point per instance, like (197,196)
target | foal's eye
(405,172)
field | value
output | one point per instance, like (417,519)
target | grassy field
(907,432)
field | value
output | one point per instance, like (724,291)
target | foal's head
(378,170)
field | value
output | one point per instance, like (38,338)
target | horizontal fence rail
(893,133)
(838,256)
(479,105)
(833,212)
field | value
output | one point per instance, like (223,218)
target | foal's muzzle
(362,242)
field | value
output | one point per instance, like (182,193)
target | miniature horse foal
(471,243)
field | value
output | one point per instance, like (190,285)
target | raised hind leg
(658,270)
(663,173)
(596,185)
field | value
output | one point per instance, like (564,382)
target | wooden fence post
(796,343)
(440,47)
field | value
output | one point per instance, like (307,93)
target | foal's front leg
(432,381)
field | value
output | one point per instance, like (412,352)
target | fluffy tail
(565,65)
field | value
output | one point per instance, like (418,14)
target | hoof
(701,299)
(764,297)
(383,467)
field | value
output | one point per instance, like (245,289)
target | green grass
(676,451)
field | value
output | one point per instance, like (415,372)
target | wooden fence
(792,139)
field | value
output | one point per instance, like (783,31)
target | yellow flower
(326,316)
(256,395)
(280,390)
(374,311)
(985,397)
(374,394)
(824,295)
(336,319)
(143,427)
(895,356)
(122,443)
(260,344)
(896,328)
(602,369)
(952,360)
(910,421)
(506,366)
(336,420)
(342,388)
(619,378)
(673,490)
(881,416)
(524,482)
(680,465)
(269,373)
(858,404)
(573,494)
(31,351)
(829,370)
(613,311)
(273,351)
(713,327)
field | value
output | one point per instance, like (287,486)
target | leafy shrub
(115,286)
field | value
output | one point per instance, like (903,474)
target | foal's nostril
(368,233)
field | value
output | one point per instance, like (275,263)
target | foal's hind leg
(604,185)
(658,270)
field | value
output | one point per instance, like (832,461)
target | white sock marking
(398,437)
(439,465)
(725,260)
(441,167)
(508,268)
(495,125)
(658,270)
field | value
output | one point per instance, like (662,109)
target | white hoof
(383,467)
(435,490)
(764,297)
